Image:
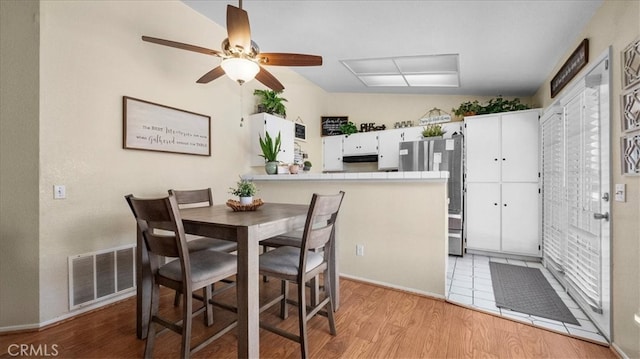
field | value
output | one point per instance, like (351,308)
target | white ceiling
(506,47)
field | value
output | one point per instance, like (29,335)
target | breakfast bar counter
(392,227)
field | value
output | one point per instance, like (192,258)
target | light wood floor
(372,322)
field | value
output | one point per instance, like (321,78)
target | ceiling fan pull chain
(241,106)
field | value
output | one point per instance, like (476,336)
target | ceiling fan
(241,57)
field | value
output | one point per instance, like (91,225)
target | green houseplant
(245,189)
(433,130)
(348,128)
(270,150)
(271,102)
(306,166)
(494,105)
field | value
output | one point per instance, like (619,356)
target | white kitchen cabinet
(259,124)
(502,191)
(388,148)
(359,144)
(412,133)
(332,153)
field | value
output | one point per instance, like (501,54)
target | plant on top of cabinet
(270,149)
(348,128)
(271,102)
(494,105)
(433,130)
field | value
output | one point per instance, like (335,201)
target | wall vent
(101,275)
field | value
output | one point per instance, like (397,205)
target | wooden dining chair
(200,198)
(188,273)
(301,264)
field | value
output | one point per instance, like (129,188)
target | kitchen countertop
(354,176)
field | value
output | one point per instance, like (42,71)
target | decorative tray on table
(237,207)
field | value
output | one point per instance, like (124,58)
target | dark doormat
(526,290)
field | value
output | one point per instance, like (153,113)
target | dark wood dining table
(247,229)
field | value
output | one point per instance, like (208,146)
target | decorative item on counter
(348,128)
(239,207)
(245,190)
(283,169)
(306,166)
(435,115)
(270,151)
(294,168)
(494,105)
(433,130)
(271,102)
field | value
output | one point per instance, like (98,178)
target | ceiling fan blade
(181,45)
(284,59)
(211,75)
(238,28)
(269,80)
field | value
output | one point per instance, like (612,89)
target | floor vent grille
(98,276)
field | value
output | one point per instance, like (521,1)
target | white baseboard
(619,351)
(389,285)
(35,326)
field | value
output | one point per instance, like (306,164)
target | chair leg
(302,320)
(328,293)
(208,311)
(314,291)
(151,335)
(284,309)
(187,316)
(176,299)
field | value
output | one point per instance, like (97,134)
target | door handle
(604,216)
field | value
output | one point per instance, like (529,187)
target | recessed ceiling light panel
(383,80)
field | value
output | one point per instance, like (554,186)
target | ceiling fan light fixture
(239,69)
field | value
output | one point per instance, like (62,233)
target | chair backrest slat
(197,197)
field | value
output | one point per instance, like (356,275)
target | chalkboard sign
(300,131)
(331,125)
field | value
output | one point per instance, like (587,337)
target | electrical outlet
(359,250)
(59,191)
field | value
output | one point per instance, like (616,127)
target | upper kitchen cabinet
(332,153)
(360,144)
(261,123)
(502,147)
(388,148)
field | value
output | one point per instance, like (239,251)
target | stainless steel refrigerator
(441,155)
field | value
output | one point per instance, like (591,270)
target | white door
(389,149)
(482,137)
(332,153)
(520,227)
(582,241)
(483,216)
(520,146)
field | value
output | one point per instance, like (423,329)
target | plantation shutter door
(553,190)
(583,267)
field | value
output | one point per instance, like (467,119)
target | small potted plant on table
(245,189)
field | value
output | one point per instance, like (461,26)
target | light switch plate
(621,194)
(59,191)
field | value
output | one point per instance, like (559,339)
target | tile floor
(469,283)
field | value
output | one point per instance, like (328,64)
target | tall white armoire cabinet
(259,124)
(502,196)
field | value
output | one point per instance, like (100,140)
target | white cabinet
(388,148)
(261,123)
(502,191)
(358,144)
(332,153)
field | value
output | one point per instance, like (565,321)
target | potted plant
(348,128)
(271,102)
(270,149)
(433,130)
(245,189)
(468,108)
(306,166)
(494,105)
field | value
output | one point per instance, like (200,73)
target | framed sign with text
(570,68)
(153,127)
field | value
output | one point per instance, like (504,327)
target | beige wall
(91,55)
(616,24)
(19,229)
(402,226)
